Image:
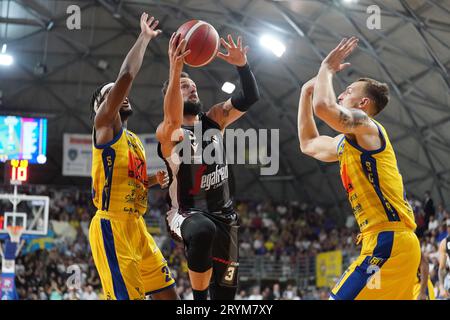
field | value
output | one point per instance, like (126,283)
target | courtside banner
(328,268)
(77,155)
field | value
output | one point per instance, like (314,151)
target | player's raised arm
(322,148)
(229,111)
(108,112)
(340,118)
(173,99)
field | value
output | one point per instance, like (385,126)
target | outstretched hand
(335,59)
(236,55)
(148,26)
(177,52)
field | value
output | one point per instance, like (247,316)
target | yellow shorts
(127,258)
(385,270)
(430,290)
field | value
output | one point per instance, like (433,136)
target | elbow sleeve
(249,94)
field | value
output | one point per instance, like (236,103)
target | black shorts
(225,247)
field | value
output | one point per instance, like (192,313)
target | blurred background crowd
(283,238)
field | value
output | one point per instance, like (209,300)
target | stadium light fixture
(350,1)
(5,59)
(273,44)
(228,87)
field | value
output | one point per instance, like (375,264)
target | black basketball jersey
(199,184)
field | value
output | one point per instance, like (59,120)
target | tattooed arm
(348,121)
(342,119)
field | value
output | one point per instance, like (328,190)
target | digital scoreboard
(23,139)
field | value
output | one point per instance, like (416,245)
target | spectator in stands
(242,295)
(89,293)
(433,223)
(428,207)
(72,294)
(275,293)
(55,293)
(442,231)
(279,233)
(256,295)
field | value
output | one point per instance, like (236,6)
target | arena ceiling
(411,52)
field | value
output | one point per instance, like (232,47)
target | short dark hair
(378,92)
(166,83)
(96,98)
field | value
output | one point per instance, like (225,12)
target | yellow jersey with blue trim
(119,175)
(374,185)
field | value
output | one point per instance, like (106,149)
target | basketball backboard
(27,211)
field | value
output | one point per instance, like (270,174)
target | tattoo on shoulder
(357,118)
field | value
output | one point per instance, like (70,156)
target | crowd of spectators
(63,269)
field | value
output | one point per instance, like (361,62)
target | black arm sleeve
(249,94)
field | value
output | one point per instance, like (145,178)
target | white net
(15,232)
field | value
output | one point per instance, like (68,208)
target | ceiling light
(273,45)
(228,87)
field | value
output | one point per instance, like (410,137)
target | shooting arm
(130,68)
(341,119)
(322,148)
(173,108)
(173,99)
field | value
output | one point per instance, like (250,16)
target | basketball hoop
(15,232)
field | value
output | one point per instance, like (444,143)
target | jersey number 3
(229,274)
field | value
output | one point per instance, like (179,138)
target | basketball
(203,41)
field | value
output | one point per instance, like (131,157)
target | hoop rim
(15,232)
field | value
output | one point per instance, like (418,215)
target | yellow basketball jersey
(119,175)
(374,185)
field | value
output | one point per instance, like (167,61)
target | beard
(192,108)
(125,114)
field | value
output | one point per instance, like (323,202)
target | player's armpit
(167,132)
(168,135)
(224,113)
(323,148)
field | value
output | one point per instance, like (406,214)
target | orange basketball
(203,41)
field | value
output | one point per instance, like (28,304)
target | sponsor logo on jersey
(346,181)
(214,178)
(137,168)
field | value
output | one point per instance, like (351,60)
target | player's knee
(198,233)
(205,232)
(200,230)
